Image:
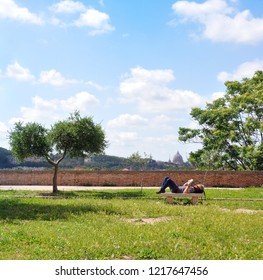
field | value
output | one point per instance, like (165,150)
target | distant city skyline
(137,67)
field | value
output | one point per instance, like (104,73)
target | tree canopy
(230,128)
(136,161)
(75,136)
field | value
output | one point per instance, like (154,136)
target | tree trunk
(55,179)
(55,174)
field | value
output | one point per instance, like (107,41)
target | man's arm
(187,186)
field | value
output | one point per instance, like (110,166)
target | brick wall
(132,178)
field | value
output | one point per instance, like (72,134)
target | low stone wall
(132,178)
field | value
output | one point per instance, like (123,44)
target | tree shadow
(96,194)
(17,209)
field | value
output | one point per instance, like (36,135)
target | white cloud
(3,128)
(55,78)
(140,77)
(161,119)
(68,7)
(244,70)
(195,10)
(123,138)
(148,88)
(127,136)
(95,85)
(164,139)
(127,120)
(96,20)
(57,22)
(140,125)
(80,101)
(44,110)
(217,95)
(161,122)
(10,10)
(18,72)
(221,21)
(51,77)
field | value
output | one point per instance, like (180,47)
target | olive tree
(76,136)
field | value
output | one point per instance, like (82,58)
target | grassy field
(131,224)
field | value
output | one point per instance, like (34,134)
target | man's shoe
(161,191)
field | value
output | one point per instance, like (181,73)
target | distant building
(178,159)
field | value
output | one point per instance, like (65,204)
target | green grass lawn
(131,224)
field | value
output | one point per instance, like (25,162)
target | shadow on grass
(51,206)
(96,194)
(17,209)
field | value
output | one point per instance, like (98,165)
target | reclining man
(187,187)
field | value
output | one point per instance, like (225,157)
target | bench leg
(169,199)
(194,199)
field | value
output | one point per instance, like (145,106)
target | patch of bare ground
(150,221)
(242,210)
(126,258)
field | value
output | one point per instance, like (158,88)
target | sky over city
(136,66)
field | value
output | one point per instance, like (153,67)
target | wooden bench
(170,196)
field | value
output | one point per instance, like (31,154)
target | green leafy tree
(75,136)
(136,161)
(231,128)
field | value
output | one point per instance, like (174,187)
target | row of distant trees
(230,131)
(93,162)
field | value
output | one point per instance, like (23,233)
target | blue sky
(136,66)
